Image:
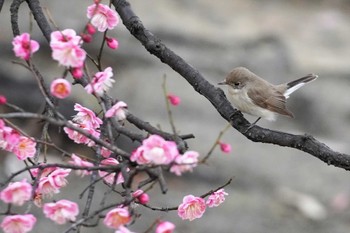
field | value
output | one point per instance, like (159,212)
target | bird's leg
(252,125)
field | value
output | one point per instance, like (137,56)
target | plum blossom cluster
(24,47)
(87,120)
(157,151)
(11,141)
(194,207)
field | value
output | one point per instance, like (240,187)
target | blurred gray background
(274,189)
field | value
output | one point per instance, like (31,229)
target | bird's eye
(237,84)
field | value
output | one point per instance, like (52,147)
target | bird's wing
(272,100)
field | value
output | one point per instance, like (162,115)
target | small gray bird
(253,95)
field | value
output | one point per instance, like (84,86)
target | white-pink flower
(216,198)
(25,148)
(24,47)
(102,17)
(17,193)
(101,82)
(76,160)
(60,88)
(61,211)
(9,137)
(191,207)
(111,179)
(165,227)
(52,183)
(86,117)
(79,138)
(66,48)
(184,163)
(117,217)
(155,150)
(118,111)
(18,223)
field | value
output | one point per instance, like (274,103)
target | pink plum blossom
(86,117)
(117,217)
(174,100)
(17,193)
(24,47)
(185,162)
(191,207)
(111,177)
(118,111)
(66,48)
(105,152)
(3,100)
(155,150)
(141,196)
(52,183)
(101,82)
(225,147)
(25,148)
(76,160)
(18,223)
(102,17)
(61,211)
(60,88)
(90,29)
(9,137)
(77,72)
(165,227)
(79,138)
(112,42)
(216,198)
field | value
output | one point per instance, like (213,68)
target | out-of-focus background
(274,189)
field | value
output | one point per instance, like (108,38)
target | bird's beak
(222,83)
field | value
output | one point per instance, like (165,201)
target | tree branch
(216,96)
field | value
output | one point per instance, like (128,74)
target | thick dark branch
(216,96)
(40,18)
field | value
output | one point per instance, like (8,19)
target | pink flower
(112,42)
(101,82)
(25,148)
(90,29)
(18,223)
(118,111)
(155,150)
(52,183)
(216,198)
(117,217)
(24,47)
(79,138)
(165,227)
(60,88)
(111,177)
(9,138)
(185,162)
(86,117)
(66,48)
(77,72)
(3,100)
(141,196)
(76,160)
(191,208)
(105,152)
(174,100)
(17,193)
(61,211)
(226,148)
(102,17)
